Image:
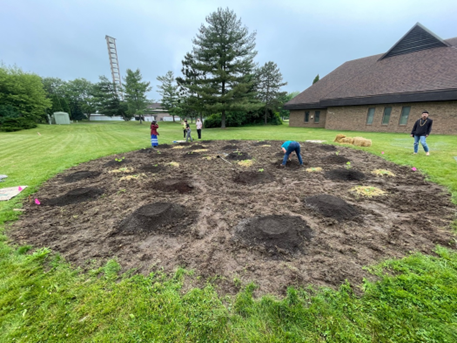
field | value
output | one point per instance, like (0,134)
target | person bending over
(288,147)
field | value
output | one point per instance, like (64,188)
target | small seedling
(156,165)
(261,170)
(119,159)
(337,153)
(348,165)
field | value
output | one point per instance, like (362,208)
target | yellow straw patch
(382,172)
(266,145)
(314,170)
(121,170)
(200,150)
(178,147)
(367,191)
(131,177)
(174,164)
(246,163)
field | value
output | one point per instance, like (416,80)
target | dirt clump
(197,146)
(164,146)
(327,147)
(172,185)
(151,168)
(191,154)
(335,159)
(345,175)
(74,196)
(275,233)
(155,218)
(229,147)
(81,175)
(238,156)
(331,206)
(253,178)
(119,162)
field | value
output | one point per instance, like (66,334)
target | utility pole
(114,63)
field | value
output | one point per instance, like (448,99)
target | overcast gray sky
(66,38)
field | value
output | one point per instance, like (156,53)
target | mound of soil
(331,206)
(184,143)
(155,218)
(327,147)
(345,175)
(274,234)
(114,163)
(74,196)
(229,147)
(290,164)
(146,150)
(335,159)
(164,146)
(151,168)
(81,175)
(191,155)
(172,185)
(238,156)
(260,143)
(253,178)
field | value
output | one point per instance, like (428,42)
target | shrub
(16,124)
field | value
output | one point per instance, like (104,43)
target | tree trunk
(173,118)
(266,115)
(223,119)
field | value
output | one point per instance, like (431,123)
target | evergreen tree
(269,82)
(316,79)
(224,52)
(135,93)
(107,100)
(170,94)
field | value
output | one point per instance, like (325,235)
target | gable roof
(428,74)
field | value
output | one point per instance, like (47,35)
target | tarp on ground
(10,192)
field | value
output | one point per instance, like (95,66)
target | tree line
(220,81)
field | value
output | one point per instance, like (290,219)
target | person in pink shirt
(199,125)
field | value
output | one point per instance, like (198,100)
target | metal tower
(114,62)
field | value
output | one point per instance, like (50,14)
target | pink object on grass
(382,152)
(19,188)
(37,201)
(413,169)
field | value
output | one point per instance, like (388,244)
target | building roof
(419,67)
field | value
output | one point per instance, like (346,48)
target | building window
(370,115)
(316,116)
(306,116)
(404,115)
(386,115)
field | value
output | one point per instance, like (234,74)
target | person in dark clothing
(421,130)
(288,147)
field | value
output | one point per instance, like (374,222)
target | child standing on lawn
(154,134)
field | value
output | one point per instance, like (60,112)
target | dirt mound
(164,146)
(156,218)
(335,159)
(253,178)
(146,150)
(260,143)
(151,168)
(74,196)
(191,155)
(197,146)
(345,175)
(81,175)
(238,156)
(274,234)
(331,206)
(184,143)
(327,147)
(229,147)
(172,185)
(113,163)
(290,164)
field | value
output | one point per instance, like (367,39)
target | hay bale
(360,141)
(347,140)
(339,137)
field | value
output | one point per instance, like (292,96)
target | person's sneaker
(282,166)
(427,153)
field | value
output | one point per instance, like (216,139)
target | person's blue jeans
(421,139)
(294,146)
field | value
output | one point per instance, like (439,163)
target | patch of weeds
(23,249)
(367,191)
(120,159)
(348,165)
(261,170)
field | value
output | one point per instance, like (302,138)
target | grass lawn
(42,299)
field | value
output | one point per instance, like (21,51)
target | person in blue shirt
(288,147)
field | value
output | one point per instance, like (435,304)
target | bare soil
(278,227)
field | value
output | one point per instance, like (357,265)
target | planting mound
(335,159)
(120,162)
(331,206)
(81,175)
(253,178)
(75,196)
(327,147)
(344,175)
(164,146)
(197,146)
(238,156)
(155,218)
(274,234)
(191,155)
(226,221)
(172,185)
(229,147)
(146,150)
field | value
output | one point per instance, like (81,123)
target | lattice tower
(114,62)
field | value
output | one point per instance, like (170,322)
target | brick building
(386,92)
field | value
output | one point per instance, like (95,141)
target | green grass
(42,299)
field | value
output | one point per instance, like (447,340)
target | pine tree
(135,93)
(224,51)
(170,95)
(269,82)
(316,79)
